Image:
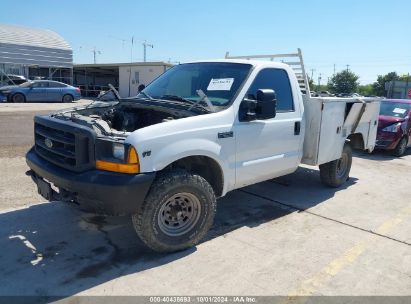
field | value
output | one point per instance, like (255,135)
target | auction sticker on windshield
(399,111)
(220,84)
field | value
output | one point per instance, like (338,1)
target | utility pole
(131,51)
(348,67)
(319,82)
(334,69)
(131,62)
(145,45)
(312,74)
(95,52)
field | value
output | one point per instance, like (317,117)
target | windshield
(219,81)
(26,84)
(395,109)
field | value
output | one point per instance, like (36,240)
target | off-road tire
(332,174)
(149,221)
(18,98)
(67,98)
(401,147)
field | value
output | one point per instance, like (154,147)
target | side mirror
(267,104)
(141,87)
(264,107)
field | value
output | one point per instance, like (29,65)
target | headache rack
(294,60)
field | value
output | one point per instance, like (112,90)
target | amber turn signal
(132,156)
(132,166)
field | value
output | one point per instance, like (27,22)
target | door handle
(297,128)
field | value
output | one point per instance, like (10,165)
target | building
(125,77)
(43,54)
(398,89)
(34,53)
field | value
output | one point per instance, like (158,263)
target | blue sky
(373,37)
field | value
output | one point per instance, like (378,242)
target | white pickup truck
(198,131)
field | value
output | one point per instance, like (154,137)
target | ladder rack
(297,66)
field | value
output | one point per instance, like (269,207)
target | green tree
(344,82)
(311,83)
(405,77)
(379,85)
(366,90)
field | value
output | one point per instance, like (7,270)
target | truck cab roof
(254,63)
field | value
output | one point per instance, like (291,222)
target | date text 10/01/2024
(203,299)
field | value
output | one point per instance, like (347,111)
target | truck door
(269,148)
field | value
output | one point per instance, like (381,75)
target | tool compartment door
(331,141)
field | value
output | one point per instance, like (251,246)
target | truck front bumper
(97,191)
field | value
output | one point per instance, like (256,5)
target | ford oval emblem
(48,143)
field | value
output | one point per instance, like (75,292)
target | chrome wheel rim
(179,214)
(342,164)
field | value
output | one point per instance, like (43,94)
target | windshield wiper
(145,94)
(176,97)
(203,97)
(179,98)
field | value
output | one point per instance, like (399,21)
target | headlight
(392,128)
(116,157)
(119,151)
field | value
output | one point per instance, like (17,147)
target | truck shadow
(380,155)
(52,250)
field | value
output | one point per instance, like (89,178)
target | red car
(394,126)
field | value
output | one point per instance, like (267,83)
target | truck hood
(384,121)
(121,118)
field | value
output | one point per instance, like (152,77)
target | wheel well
(204,166)
(356,141)
(18,93)
(72,96)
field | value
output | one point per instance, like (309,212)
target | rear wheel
(177,213)
(18,98)
(335,173)
(67,98)
(401,147)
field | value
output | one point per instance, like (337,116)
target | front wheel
(177,213)
(401,147)
(18,98)
(335,173)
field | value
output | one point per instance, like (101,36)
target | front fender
(184,148)
(172,152)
